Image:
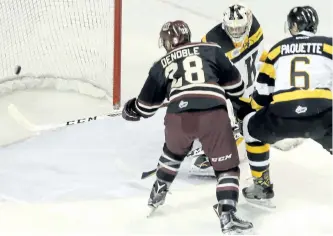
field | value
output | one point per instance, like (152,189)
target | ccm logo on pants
(223,158)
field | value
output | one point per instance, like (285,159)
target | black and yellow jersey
(246,57)
(298,71)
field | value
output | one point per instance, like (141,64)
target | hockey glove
(129,112)
(241,108)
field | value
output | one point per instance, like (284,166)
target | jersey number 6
(296,75)
(193,71)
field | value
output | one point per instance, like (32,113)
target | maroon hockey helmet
(174,34)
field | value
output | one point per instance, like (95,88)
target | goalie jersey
(247,57)
(296,78)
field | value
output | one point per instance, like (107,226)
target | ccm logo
(223,158)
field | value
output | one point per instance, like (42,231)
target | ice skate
(157,196)
(231,224)
(259,196)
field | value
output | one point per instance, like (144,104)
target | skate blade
(240,232)
(265,204)
(151,211)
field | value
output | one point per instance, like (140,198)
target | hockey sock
(258,155)
(227,188)
(168,165)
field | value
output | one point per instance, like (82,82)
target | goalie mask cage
(67,45)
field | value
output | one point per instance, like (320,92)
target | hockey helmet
(174,34)
(237,22)
(304,18)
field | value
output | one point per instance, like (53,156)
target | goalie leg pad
(200,166)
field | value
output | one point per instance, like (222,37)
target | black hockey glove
(241,109)
(129,112)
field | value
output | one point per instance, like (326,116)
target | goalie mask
(174,34)
(302,19)
(237,22)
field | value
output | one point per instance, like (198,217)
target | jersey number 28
(193,71)
(296,75)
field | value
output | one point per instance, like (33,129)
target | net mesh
(61,44)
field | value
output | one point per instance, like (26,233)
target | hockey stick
(193,153)
(23,121)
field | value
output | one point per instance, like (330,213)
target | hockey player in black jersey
(292,98)
(241,39)
(196,78)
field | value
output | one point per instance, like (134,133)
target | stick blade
(20,119)
(148,173)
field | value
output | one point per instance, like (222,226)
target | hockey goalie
(241,38)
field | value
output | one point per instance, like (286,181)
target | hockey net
(67,45)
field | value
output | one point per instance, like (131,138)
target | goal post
(65,45)
(117,53)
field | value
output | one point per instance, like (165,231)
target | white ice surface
(85,180)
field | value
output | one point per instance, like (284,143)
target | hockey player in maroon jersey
(196,78)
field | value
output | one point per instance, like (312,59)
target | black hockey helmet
(174,34)
(303,18)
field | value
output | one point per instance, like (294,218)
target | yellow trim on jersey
(268,69)
(204,39)
(274,53)
(256,36)
(255,105)
(302,94)
(251,40)
(327,48)
(263,56)
(247,100)
(258,149)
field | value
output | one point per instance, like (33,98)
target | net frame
(12,79)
